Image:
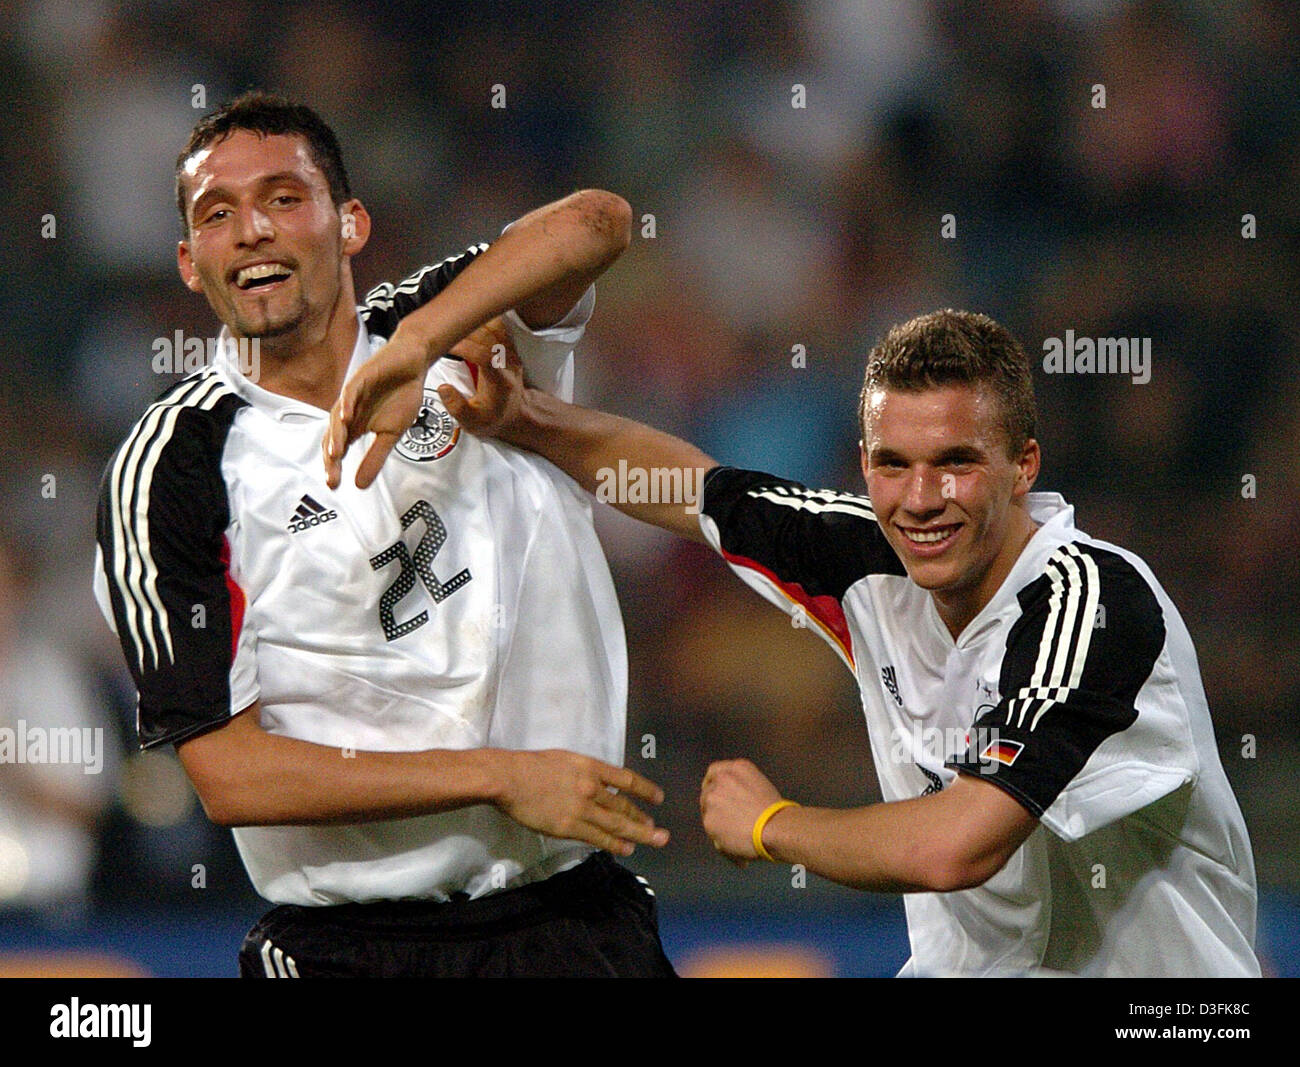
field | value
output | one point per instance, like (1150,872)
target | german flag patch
(1005,752)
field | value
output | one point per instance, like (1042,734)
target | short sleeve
(800,548)
(1089,727)
(547,354)
(163,568)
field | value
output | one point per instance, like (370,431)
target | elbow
(607,219)
(219,809)
(222,802)
(953,879)
(224,766)
(953,869)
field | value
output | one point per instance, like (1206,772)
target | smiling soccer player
(414,726)
(1084,824)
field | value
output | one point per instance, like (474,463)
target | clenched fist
(734,794)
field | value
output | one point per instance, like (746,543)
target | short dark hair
(267,114)
(956,347)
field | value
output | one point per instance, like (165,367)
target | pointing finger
(374,458)
(642,833)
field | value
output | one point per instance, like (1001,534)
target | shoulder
(751,507)
(1093,610)
(176,442)
(820,539)
(1085,574)
(201,401)
(728,488)
(388,303)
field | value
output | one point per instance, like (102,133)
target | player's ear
(185,264)
(862,459)
(354,226)
(1029,462)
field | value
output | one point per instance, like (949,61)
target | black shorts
(593,920)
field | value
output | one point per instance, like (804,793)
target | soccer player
(409,701)
(1054,799)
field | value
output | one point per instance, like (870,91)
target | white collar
(1056,524)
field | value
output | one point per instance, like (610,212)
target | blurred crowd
(801,174)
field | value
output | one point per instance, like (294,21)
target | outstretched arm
(644,472)
(541,265)
(955,839)
(247,777)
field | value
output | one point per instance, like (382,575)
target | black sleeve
(163,512)
(1086,643)
(387,304)
(798,547)
(820,539)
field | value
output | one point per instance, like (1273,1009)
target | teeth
(924,537)
(262,270)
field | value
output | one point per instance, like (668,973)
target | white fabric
(1142,865)
(527,654)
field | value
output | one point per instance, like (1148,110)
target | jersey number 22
(420,565)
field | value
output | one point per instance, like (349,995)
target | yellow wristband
(762,821)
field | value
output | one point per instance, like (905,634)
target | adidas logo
(890,679)
(309,514)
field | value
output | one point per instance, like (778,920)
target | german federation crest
(433,434)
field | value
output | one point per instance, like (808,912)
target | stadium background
(774,226)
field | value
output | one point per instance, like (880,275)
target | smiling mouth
(261,276)
(934,535)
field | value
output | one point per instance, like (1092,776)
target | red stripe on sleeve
(825,609)
(237,600)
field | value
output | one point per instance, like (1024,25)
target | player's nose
(923,493)
(252,225)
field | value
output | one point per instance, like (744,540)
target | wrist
(530,422)
(762,823)
(422,344)
(486,774)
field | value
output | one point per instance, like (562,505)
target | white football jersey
(1076,690)
(461,601)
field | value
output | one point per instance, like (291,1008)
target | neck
(958,607)
(310,363)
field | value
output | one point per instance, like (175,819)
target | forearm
(248,777)
(606,454)
(955,839)
(540,266)
(884,848)
(284,781)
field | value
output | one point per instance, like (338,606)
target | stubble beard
(266,327)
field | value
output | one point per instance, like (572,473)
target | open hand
(498,382)
(383,397)
(568,795)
